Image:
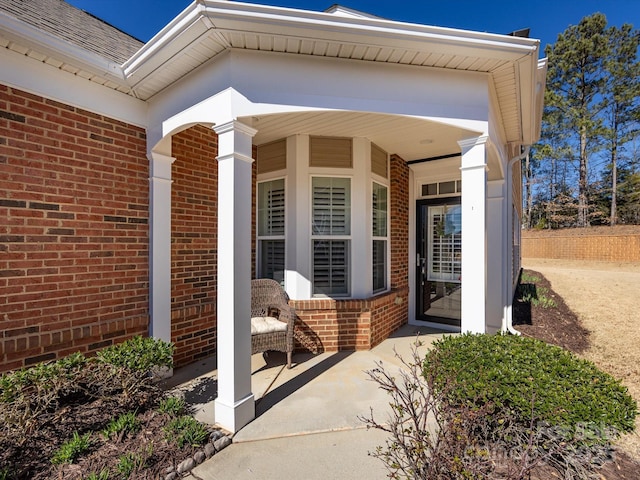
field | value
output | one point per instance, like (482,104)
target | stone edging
(217,442)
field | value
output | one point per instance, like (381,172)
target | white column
(474,234)
(361,271)
(160,246)
(234,406)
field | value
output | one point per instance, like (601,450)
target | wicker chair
(269,310)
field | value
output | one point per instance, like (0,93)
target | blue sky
(546,18)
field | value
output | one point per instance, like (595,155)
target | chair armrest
(286,314)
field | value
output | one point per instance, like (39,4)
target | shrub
(70,450)
(139,354)
(448,421)
(528,379)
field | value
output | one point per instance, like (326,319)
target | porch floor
(306,423)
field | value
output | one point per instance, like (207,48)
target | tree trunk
(614,185)
(583,204)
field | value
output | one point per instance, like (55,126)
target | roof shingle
(75,26)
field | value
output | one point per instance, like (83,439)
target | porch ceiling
(410,138)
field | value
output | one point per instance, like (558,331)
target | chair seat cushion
(260,325)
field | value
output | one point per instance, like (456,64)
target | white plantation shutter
(331,218)
(331,206)
(271,208)
(272,260)
(271,229)
(380,236)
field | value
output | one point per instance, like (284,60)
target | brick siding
(74,203)
(194,240)
(609,244)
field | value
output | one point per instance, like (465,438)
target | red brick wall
(399,212)
(74,200)
(194,213)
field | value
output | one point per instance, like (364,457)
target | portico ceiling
(410,138)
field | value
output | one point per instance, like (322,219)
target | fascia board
(532,84)
(236,17)
(541,85)
(47,44)
(178,28)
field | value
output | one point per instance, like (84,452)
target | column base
(234,417)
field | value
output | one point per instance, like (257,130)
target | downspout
(507,322)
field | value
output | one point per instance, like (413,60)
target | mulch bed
(557,326)
(32,459)
(560,326)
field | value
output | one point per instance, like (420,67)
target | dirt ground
(606,298)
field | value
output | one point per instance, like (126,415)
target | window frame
(266,238)
(330,237)
(379,238)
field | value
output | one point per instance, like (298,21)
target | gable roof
(76,42)
(75,26)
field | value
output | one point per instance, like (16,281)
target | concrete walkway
(306,422)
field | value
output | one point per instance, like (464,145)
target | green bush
(140,354)
(527,379)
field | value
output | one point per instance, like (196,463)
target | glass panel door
(439,260)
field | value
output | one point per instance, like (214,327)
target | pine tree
(622,100)
(574,98)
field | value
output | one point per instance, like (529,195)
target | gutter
(48,44)
(507,319)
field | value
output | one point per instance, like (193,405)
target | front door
(439,260)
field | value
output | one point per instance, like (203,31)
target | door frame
(444,322)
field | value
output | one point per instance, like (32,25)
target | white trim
(160,246)
(38,78)
(62,50)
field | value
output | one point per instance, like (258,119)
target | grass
(72,449)
(125,423)
(186,430)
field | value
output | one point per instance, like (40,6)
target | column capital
(474,153)
(235,141)
(468,143)
(160,165)
(236,126)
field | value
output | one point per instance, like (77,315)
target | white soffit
(404,136)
